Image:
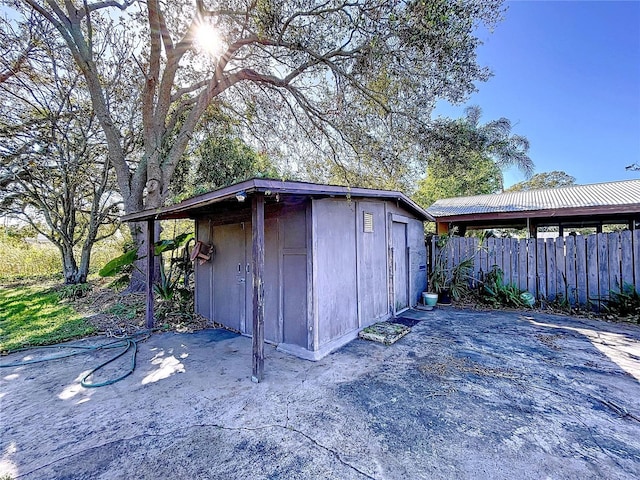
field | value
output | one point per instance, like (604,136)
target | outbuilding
(567,208)
(301,265)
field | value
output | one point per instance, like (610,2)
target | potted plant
(449,281)
(429,299)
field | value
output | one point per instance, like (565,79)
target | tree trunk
(139,274)
(85,260)
(69,264)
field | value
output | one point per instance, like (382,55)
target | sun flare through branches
(209,40)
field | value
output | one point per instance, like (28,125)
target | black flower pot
(444,297)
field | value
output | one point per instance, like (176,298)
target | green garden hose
(127,344)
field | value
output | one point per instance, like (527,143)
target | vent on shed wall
(368,222)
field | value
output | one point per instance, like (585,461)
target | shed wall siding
(293,261)
(335,268)
(417,252)
(203,274)
(373,298)
(224,286)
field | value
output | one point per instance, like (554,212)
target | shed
(575,206)
(305,266)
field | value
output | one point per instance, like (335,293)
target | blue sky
(567,74)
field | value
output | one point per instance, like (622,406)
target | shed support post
(151,229)
(258,285)
(532,229)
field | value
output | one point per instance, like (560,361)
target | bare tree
(54,169)
(17,44)
(342,76)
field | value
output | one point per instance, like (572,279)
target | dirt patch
(452,365)
(115,313)
(549,340)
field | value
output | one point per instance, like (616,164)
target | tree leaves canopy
(54,170)
(344,79)
(554,179)
(467,157)
(352,82)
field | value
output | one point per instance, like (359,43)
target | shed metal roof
(185,208)
(611,194)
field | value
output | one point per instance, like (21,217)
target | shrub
(625,303)
(71,292)
(496,293)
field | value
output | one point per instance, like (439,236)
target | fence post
(626,257)
(522,264)
(561,280)
(551,268)
(615,270)
(570,269)
(603,267)
(513,259)
(542,269)
(592,270)
(636,258)
(532,284)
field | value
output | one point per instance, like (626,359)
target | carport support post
(257,209)
(151,229)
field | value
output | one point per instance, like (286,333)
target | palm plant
(446,277)
(463,145)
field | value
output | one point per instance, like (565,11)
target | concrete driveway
(464,395)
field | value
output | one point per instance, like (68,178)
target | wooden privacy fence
(580,269)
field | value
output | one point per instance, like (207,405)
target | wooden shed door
(400,267)
(230,270)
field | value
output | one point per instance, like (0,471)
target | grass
(23,260)
(32,261)
(34,315)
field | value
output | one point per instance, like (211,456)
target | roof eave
(597,210)
(183,209)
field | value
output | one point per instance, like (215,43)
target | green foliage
(477,176)
(444,276)
(74,291)
(496,293)
(22,260)
(466,157)
(165,288)
(461,275)
(553,179)
(218,162)
(118,264)
(224,161)
(173,287)
(179,270)
(180,303)
(32,316)
(130,311)
(120,283)
(625,303)
(171,244)
(25,260)
(16,235)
